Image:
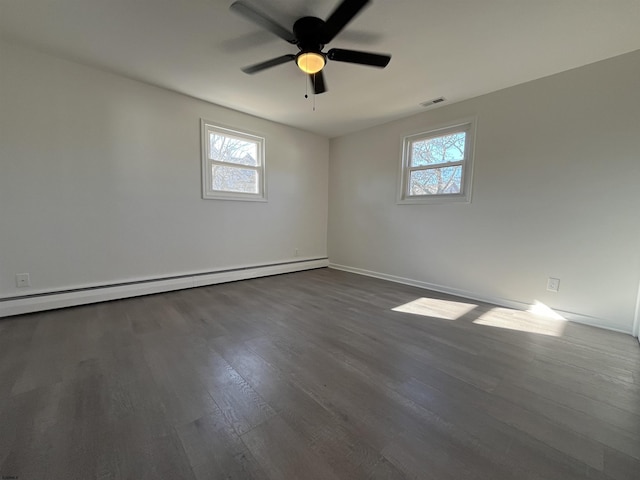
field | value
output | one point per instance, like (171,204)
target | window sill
(434,200)
(237,198)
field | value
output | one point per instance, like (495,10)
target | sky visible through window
(434,154)
(223,148)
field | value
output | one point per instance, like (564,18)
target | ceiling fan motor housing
(309,32)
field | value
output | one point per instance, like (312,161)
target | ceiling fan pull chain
(306,88)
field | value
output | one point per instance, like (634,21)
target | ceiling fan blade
(341,16)
(258,67)
(317,82)
(362,58)
(259,18)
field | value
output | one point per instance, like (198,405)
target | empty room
(319,240)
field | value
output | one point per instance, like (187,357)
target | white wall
(100,182)
(556,192)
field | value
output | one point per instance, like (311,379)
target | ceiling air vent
(434,101)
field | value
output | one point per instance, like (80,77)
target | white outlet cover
(22,280)
(553,284)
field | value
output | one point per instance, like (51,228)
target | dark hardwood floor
(313,375)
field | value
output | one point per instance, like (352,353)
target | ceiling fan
(310,35)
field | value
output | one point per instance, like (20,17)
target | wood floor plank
(507,445)
(284,454)
(553,390)
(159,457)
(362,405)
(586,425)
(184,397)
(326,434)
(216,451)
(318,374)
(620,466)
(584,381)
(241,405)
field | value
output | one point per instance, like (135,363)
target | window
(232,164)
(437,165)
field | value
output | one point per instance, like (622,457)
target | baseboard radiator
(53,299)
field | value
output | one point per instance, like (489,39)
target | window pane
(436,181)
(233,150)
(234,179)
(448,148)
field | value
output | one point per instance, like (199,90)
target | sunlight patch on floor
(540,309)
(433,307)
(538,319)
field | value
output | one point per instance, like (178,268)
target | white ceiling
(452,48)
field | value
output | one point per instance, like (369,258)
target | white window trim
(469,126)
(208,193)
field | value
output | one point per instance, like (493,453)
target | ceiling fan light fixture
(310,62)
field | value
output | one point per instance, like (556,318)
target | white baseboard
(82,295)
(503,302)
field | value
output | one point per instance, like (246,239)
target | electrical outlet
(296,253)
(553,284)
(22,280)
